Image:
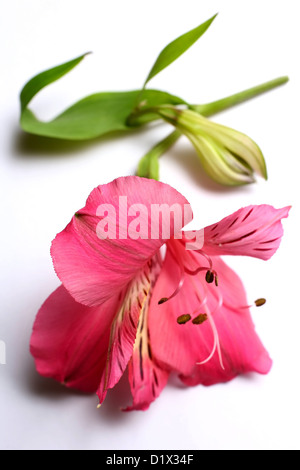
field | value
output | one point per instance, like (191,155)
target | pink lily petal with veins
(125,326)
(70,341)
(253,231)
(147,379)
(92,270)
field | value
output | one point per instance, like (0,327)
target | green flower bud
(228,156)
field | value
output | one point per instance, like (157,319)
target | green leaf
(90,117)
(178,47)
(46,78)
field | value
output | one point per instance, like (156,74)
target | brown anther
(183,319)
(200,319)
(217,281)
(260,302)
(163,301)
(210,277)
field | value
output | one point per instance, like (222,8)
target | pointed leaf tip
(45,78)
(177,48)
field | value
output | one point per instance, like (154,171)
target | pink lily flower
(121,305)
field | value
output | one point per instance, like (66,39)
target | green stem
(165,144)
(149,165)
(221,105)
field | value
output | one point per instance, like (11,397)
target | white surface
(250,42)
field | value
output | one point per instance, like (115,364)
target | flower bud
(228,156)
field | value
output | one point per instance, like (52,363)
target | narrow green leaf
(178,47)
(91,117)
(46,78)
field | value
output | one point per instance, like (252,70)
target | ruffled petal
(253,231)
(125,325)
(182,347)
(69,341)
(92,268)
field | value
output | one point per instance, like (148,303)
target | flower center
(205,293)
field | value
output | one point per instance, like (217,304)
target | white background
(43,184)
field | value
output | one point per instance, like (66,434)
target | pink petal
(181,347)
(253,231)
(70,341)
(124,329)
(147,379)
(92,270)
(146,383)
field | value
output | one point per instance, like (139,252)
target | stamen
(183,319)
(210,277)
(200,319)
(257,303)
(220,301)
(216,346)
(260,302)
(201,305)
(184,241)
(202,253)
(178,289)
(194,273)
